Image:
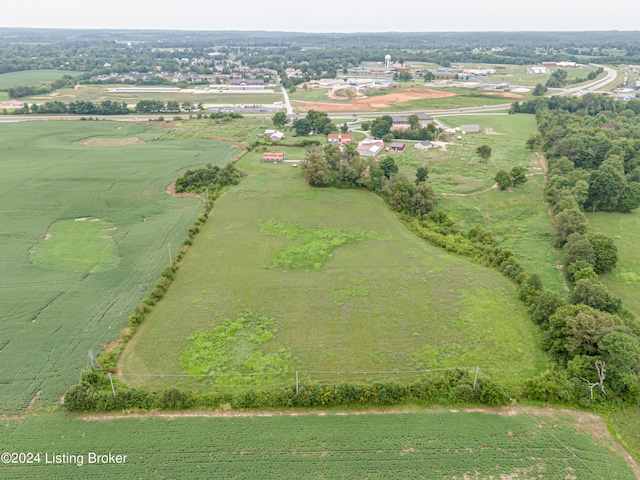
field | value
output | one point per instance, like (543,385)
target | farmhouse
(472,128)
(370,148)
(423,146)
(341,138)
(274,134)
(273,157)
(397,147)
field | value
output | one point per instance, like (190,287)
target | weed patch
(315,245)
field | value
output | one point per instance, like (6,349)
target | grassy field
(31,77)
(519,217)
(624,280)
(385,301)
(390,446)
(68,286)
(310,95)
(96,93)
(625,428)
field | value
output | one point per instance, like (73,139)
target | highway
(588,87)
(591,87)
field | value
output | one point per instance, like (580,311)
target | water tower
(387,61)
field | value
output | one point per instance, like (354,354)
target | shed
(472,128)
(397,147)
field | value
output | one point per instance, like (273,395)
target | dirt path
(492,187)
(171,190)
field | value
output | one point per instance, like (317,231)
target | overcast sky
(325,16)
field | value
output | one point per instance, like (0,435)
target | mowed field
(624,280)
(31,77)
(385,300)
(384,446)
(85,231)
(518,216)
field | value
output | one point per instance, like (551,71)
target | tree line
(593,152)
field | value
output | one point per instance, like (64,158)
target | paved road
(286,100)
(594,85)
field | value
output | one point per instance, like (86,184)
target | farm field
(401,445)
(95,93)
(624,280)
(519,217)
(85,231)
(31,77)
(342,284)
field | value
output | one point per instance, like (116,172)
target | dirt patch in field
(503,94)
(379,101)
(110,142)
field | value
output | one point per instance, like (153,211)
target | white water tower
(387,61)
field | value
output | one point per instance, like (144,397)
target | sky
(327,15)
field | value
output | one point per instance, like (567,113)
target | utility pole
(170,260)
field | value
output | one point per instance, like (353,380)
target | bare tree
(601,368)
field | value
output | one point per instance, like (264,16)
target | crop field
(234,130)
(324,280)
(85,231)
(624,280)
(519,216)
(96,93)
(387,446)
(31,77)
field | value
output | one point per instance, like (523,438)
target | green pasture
(386,301)
(518,216)
(624,280)
(310,95)
(624,426)
(389,446)
(68,286)
(95,93)
(27,78)
(459,101)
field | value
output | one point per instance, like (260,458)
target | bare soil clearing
(110,142)
(379,101)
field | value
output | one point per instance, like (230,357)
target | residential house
(424,146)
(341,138)
(274,134)
(273,157)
